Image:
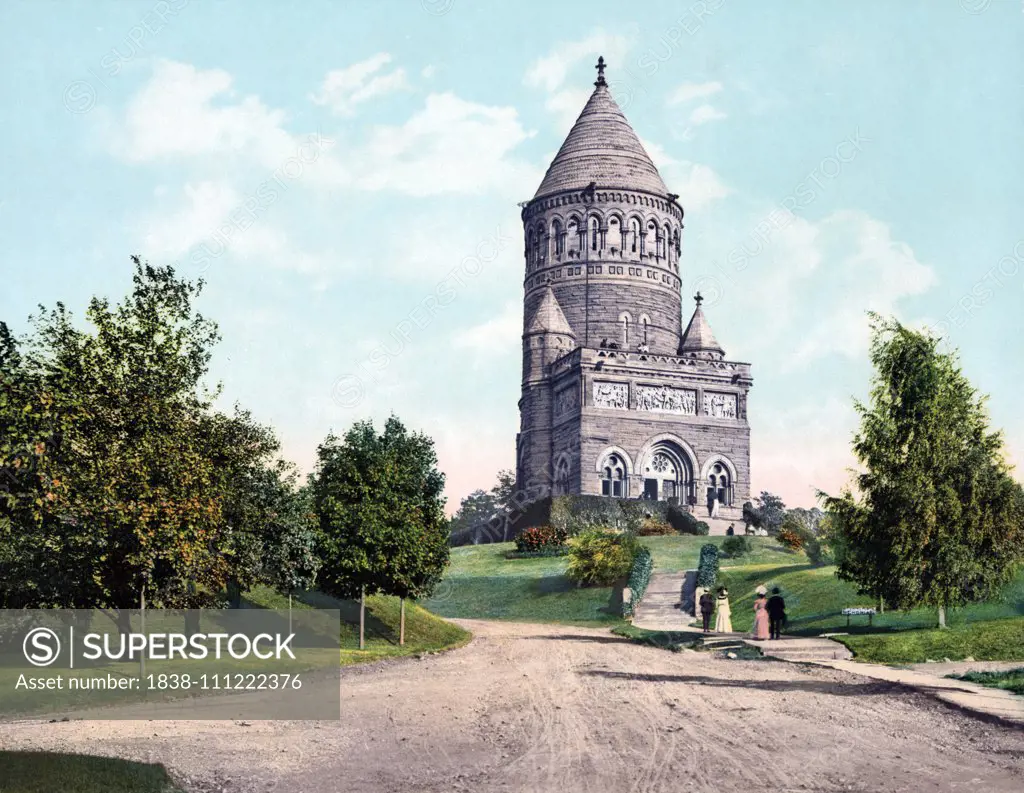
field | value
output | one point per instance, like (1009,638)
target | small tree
(382,527)
(707,566)
(935,518)
(771,512)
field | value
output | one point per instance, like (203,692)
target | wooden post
(142,628)
(362,619)
(401,629)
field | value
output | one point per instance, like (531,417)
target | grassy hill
(482,583)
(424,632)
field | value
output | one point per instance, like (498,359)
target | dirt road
(545,709)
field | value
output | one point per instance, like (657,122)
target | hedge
(707,567)
(639,578)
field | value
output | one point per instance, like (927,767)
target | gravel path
(547,709)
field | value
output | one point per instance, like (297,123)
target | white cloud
(451,145)
(688,91)
(550,72)
(343,89)
(705,114)
(697,185)
(205,207)
(498,335)
(175,114)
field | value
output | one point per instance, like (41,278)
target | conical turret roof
(698,337)
(548,318)
(602,148)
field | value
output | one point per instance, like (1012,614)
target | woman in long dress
(723,623)
(761,617)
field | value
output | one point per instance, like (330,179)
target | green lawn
(424,632)
(481,583)
(46,772)
(1010,680)
(995,640)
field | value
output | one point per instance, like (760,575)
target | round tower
(604,233)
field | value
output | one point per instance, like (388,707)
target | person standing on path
(707,608)
(723,623)
(776,613)
(760,617)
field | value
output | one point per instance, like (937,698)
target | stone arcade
(617,399)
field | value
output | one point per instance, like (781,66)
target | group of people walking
(769,613)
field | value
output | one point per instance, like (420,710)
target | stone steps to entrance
(662,609)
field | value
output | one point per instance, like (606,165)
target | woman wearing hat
(723,623)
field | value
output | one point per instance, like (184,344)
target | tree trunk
(401,629)
(881,605)
(362,619)
(142,630)
(942,616)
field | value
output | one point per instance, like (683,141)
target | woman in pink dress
(761,617)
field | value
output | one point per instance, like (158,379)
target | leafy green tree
(482,505)
(381,512)
(476,508)
(935,519)
(131,497)
(771,512)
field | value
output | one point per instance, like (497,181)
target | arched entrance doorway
(667,473)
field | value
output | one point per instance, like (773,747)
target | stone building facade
(618,399)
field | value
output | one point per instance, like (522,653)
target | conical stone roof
(698,337)
(548,318)
(602,148)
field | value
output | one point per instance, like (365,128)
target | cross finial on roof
(600,71)
(699,299)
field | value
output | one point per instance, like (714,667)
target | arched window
(615,234)
(530,249)
(720,485)
(594,233)
(652,237)
(644,322)
(634,236)
(572,232)
(626,320)
(559,235)
(613,477)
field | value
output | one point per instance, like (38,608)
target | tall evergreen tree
(935,518)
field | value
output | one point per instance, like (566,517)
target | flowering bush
(652,527)
(600,558)
(790,539)
(540,538)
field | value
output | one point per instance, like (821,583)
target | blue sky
(345,177)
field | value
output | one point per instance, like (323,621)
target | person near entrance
(776,613)
(707,608)
(711,501)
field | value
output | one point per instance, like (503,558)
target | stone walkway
(661,610)
(969,696)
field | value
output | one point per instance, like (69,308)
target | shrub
(639,578)
(819,552)
(790,538)
(652,527)
(736,546)
(600,558)
(683,521)
(701,529)
(707,567)
(540,538)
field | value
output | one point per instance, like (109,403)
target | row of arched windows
(628,238)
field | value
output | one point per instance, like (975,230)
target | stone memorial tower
(618,399)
